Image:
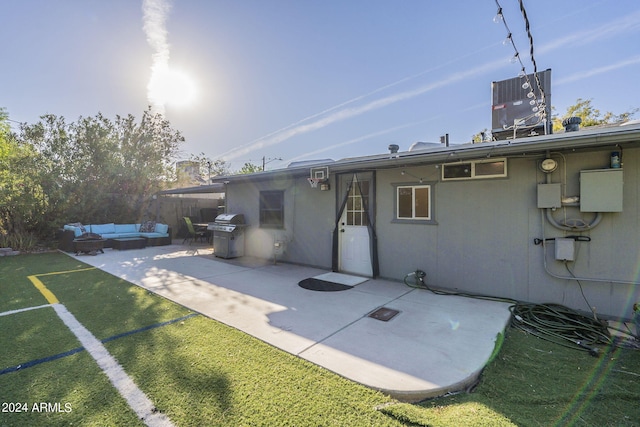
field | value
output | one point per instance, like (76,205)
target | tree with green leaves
(101,170)
(590,115)
(210,168)
(22,200)
(482,136)
(249,168)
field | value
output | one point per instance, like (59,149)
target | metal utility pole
(265,161)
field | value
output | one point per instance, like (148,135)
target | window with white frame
(475,169)
(413,202)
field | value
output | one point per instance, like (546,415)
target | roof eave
(583,140)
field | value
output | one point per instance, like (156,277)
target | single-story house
(538,219)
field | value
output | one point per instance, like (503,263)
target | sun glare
(171,87)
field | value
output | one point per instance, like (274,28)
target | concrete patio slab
(436,343)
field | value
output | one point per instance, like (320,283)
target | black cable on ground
(552,322)
(561,325)
(420,284)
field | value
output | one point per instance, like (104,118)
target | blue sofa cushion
(79,225)
(154,235)
(77,228)
(103,228)
(126,228)
(162,228)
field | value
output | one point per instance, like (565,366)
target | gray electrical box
(549,196)
(565,249)
(601,190)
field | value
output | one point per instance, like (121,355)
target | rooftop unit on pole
(512,114)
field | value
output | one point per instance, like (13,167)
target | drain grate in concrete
(383,313)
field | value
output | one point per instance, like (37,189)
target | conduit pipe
(565,227)
(583,279)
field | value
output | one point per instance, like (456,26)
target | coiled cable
(561,325)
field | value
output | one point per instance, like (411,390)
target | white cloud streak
(615,28)
(154,18)
(378,133)
(348,113)
(599,70)
(361,138)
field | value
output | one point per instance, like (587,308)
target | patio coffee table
(89,246)
(130,243)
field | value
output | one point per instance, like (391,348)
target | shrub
(22,241)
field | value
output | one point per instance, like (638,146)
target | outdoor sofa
(157,234)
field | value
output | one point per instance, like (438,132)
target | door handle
(342,230)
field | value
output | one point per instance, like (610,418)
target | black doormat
(322,285)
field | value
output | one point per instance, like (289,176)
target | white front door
(355,253)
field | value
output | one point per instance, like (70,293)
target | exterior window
(494,168)
(272,209)
(456,171)
(497,168)
(356,203)
(413,202)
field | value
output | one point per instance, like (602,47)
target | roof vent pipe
(393,148)
(571,124)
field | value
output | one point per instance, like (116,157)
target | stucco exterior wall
(482,239)
(309,216)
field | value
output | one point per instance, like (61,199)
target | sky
(297,80)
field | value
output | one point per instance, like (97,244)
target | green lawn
(200,372)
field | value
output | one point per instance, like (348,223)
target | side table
(130,243)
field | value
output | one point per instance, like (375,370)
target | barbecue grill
(228,235)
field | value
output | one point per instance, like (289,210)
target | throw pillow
(148,227)
(80,226)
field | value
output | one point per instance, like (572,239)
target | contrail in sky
(600,70)
(630,23)
(253,143)
(378,133)
(360,138)
(347,113)
(154,17)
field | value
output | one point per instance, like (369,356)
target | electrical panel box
(565,249)
(601,190)
(549,196)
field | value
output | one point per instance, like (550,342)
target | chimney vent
(393,148)
(571,124)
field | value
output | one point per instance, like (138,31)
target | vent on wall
(511,106)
